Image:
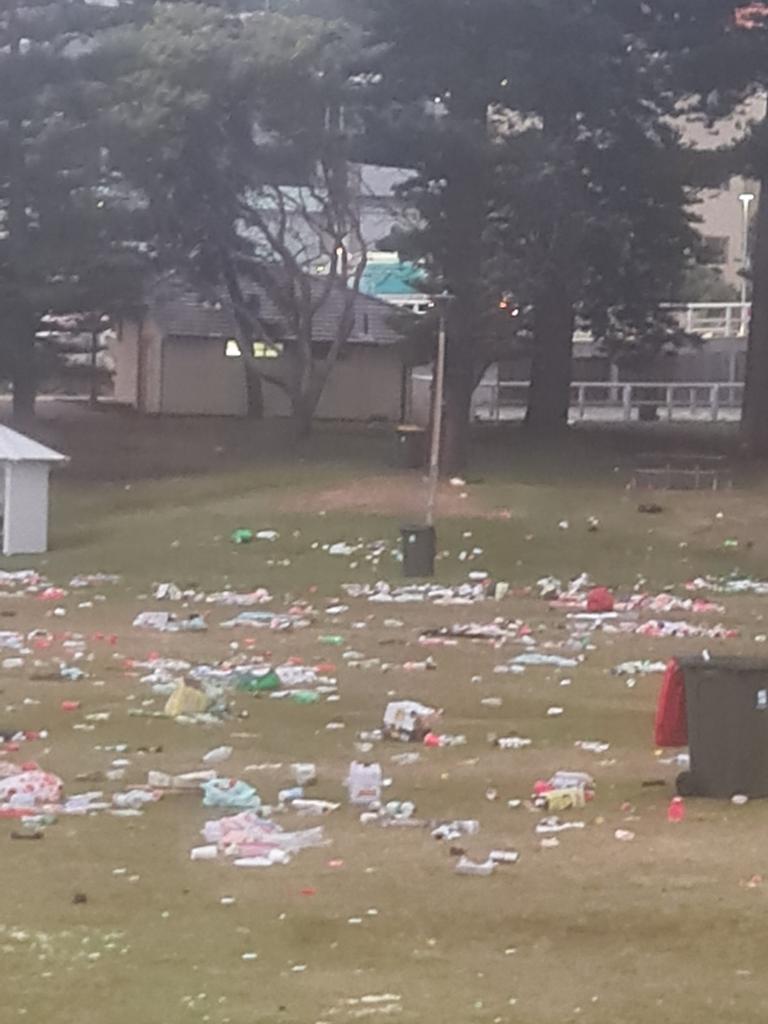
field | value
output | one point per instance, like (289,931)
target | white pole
(437,412)
(745,198)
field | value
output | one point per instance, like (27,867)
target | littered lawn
(105,920)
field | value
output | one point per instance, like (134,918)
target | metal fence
(716,319)
(707,319)
(497,401)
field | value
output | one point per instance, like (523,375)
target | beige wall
(363,385)
(192,376)
(138,364)
(720,210)
(150,368)
(199,380)
(125,350)
(722,216)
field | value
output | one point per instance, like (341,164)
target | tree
(593,231)
(715,59)
(56,219)
(234,130)
(434,75)
(544,172)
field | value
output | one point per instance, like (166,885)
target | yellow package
(562,799)
(186,700)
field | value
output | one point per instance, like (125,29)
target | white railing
(716,319)
(707,319)
(624,401)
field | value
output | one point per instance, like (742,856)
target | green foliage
(232,129)
(63,238)
(545,167)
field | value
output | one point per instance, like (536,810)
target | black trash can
(418,550)
(411,446)
(727,710)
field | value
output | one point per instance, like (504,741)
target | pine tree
(54,210)
(537,131)
(715,54)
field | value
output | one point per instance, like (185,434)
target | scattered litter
(186,700)
(364,783)
(221,792)
(218,755)
(512,742)
(624,835)
(639,668)
(465,866)
(409,720)
(165,622)
(268,620)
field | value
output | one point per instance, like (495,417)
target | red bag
(599,600)
(671,726)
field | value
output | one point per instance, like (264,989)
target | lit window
(264,350)
(261,349)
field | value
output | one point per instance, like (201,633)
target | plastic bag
(249,682)
(230,793)
(186,700)
(31,788)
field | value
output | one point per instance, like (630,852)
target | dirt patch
(392,495)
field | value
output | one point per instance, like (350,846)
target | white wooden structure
(27,466)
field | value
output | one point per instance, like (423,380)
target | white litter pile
(254,842)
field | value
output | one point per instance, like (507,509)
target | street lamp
(746,199)
(419,542)
(442,302)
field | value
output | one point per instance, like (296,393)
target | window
(261,349)
(716,250)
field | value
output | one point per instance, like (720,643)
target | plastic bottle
(676,810)
(217,755)
(465,866)
(364,783)
(204,853)
(304,773)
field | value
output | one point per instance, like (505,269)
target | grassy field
(664,928)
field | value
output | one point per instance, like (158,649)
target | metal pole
(437,417)
(94,388)
(745,199)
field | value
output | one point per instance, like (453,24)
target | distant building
(395,281)
(179,355)
(726,213)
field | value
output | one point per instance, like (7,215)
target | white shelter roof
(16,447)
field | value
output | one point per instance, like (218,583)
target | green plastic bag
(242,536)
(266,683)
(305,697)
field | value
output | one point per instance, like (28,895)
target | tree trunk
(459,387)
(24,377)
(549,394)
(466,199)
(303,418)
(19,323)
(754,415)
(254,390)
